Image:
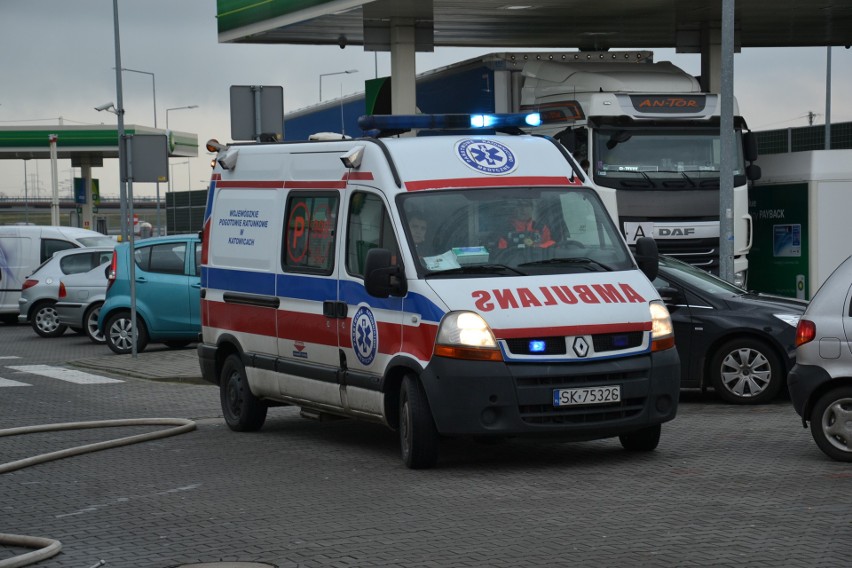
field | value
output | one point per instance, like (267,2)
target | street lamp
(167,127)
(176,108)
(347,72)
(154,88)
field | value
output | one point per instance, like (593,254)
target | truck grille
(546,414)
(703,253)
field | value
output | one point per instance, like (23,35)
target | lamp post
(154,89)
(167,128)
(347,72)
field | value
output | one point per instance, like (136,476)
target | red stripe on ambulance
(520,181)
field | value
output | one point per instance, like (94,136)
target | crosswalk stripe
(68,375)
(11,383)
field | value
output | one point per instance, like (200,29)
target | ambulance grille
(564,381)
(546,414)
(603,342)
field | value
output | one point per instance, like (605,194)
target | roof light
(404,122)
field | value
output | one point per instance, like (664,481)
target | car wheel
(45,320)
(831,423)
(119,333)
(176,344)
(90,321)
(644,440)
(418,436)
(243,411)
(746,371)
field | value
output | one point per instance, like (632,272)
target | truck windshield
(511,232)
(660,159)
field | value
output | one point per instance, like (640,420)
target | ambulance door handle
(332,309)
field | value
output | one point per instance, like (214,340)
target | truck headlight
(465,335)
(662,330)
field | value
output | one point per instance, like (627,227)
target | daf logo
(685,232)
(581,347)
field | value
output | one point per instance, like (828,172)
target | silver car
(820,383)
(80,299)
(41,288)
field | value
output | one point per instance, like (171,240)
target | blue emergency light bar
(404,122)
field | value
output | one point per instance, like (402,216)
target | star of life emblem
(365,335)
(486,156)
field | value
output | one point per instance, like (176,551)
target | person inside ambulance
(524,231)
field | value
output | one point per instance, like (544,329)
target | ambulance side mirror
(381,277)
(648,257)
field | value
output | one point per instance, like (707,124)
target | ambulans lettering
(509,298)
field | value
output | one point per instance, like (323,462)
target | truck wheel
(746,371)
(90,320)
(45,320)
(417,434)
(831,423)
(243,411)
(643,440)
(119,333)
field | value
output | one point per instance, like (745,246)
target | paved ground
(728,486)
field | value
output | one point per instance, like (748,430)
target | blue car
(168,285)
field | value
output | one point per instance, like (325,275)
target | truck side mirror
(381,277)
(753,172)
(648,257)
(749,146)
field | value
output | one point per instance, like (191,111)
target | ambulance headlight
(465,335)
(662,330)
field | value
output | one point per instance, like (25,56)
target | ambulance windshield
(511,231)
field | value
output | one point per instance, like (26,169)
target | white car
(821,381)
(37,303)
(80,299)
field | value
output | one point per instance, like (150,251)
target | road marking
(68,375)
(11,383)
(9,357)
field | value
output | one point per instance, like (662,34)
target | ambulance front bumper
(492,398)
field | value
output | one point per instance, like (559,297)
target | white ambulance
(442,285)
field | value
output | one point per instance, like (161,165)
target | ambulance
(457,284)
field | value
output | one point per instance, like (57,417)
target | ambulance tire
(243,412)
(644,440)
(417,433)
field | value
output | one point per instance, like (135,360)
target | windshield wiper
(569,260)
(477,269)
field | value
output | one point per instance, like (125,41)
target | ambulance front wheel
(644,440)
(243,411)
(417,433)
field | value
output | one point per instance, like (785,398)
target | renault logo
(581,347)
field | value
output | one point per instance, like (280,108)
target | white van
(24,247)
(521,312)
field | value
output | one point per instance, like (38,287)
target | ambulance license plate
(588,395)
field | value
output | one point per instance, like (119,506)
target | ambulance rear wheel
(243,411)
(417,433)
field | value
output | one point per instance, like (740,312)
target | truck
(647,134)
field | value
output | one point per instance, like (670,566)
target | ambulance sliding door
(370,335)
(309,313)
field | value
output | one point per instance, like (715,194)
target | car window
(309,233)
(77,263)
(368,227)
(198,259)
(49,247)
(168,258)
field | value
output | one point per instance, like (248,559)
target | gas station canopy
(597,25)
(90,143)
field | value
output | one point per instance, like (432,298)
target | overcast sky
(57,60)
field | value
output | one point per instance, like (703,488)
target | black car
(740,343)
